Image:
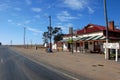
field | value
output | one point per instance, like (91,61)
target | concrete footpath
(92,66)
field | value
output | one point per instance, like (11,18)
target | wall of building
(91,34)
(91,46)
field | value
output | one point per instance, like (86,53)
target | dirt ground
(93,66)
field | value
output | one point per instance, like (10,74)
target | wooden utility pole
(50,33)
(24,38)
(11,43)
(72,41)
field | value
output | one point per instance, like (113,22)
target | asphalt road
(16,67)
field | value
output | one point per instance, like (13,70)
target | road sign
(111,45)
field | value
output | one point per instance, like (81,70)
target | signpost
(112,46)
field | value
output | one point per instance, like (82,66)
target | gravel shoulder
(92,66)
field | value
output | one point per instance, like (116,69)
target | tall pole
(107,55)
(24,36)
(31,43)
(50,33)
(72,40)
(11,43)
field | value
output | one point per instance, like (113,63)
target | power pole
(107,54)
(24,36)
(11,43)
(50,33)
(72,40)
(31,43)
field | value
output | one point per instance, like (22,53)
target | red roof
(91,28)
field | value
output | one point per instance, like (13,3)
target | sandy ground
(93,66)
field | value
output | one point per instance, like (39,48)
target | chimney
(70,30)
(111,25)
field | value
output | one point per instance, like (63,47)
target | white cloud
(36,9)
(65,16)
(17,9)
(4,6)
(9,20)
(90,10)
(76,4)
(33,30)
(18,24)
(80,15)
(35,34)
(28,2)
(79,5)
(27,21)
(65,28)
(37,16)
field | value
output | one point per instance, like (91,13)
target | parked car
(0,43)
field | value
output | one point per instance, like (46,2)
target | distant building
(90,38)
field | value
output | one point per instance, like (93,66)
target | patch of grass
(113,56)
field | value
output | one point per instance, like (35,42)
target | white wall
(91,46)
(64,47)
(54,46)
(91,34)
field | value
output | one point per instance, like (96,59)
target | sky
(34,15)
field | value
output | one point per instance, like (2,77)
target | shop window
(77,44)
(86,45)
(90,43)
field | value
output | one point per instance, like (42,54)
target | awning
(85,38)
(81,38)
(91,37)
(64,40)
(98,37)
(102,38)
(77,38)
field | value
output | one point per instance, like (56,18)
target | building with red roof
(90,38)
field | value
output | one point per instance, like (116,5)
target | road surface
(13,66)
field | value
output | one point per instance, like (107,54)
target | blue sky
(33,14)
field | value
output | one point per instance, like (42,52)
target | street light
(107,55)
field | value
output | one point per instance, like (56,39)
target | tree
(45,37)
(58,37)
(55,33)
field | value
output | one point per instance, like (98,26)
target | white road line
(53,69)
(1,60)
(57,71)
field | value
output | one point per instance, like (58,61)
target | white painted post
(105,53)
(105,48)
(116,59)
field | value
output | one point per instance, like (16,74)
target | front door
(96,46)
